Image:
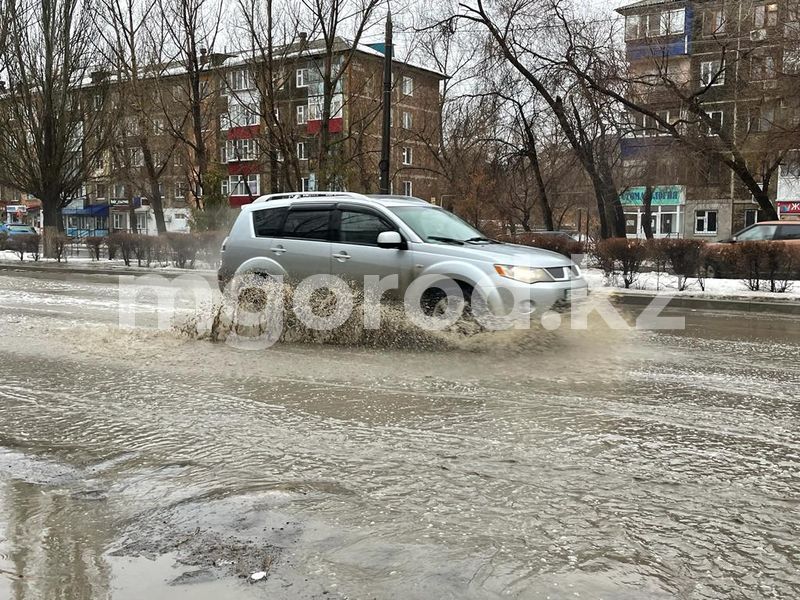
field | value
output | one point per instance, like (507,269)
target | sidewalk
(87,266)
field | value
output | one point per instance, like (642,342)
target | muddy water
(592,464)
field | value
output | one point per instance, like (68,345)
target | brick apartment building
(740,60)
(254,157)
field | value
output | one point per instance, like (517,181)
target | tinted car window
(361,227)
(267,223)
(788,232)
(758,233)
(308,224)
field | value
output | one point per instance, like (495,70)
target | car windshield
(437,225)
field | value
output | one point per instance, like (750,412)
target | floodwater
(571,464)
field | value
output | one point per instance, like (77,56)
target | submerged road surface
(575,464)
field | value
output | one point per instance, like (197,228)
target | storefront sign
(663,195)
(17,209)
(789,208)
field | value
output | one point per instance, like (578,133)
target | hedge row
(181,249)
(761,265)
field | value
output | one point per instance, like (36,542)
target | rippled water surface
(591,464)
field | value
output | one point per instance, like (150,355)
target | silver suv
(297,235)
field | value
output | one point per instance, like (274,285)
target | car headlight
(523,274)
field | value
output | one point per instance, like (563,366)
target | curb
(67,269)
(712,304)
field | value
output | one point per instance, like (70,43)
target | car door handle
(278,250)
(342,256)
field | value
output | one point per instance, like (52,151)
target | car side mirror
(390,239)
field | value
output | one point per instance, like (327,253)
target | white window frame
(179,190)
(302,114)
(302,151)
(633,24)
(711,114)
(305,182)
(237,187)
(240,80)
(408,85)
(711,69)
(408,188)
(408,120)
(672,22)
(301,78)
(705,219)
(408,155)
(116,220)
(764,13)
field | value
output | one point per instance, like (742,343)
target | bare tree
(141,149)
(751,141)
(340,25)
(189,83)
(52,115)
(528,38)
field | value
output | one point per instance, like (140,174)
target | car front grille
(563,273)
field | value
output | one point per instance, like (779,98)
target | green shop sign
(663,195)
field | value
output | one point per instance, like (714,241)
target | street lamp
(387,106)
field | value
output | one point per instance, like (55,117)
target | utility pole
(387,106)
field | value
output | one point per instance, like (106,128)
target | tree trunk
(158,207)
(132,225)
(647,212)
(51,211)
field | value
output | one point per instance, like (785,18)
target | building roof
(632,8)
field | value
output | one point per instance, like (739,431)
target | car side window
(357,227)
(788,232)
(758,233)
(308,224)
(267,222)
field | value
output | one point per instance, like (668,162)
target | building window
(761,119)
(632,23)
(238,185)
(135,157)
(407,120)
(141,222)
(240,79)
(301,78)
(408,155)
(408,188)
(302,114)
(178,160)
(705,222)
(117,220)
(672,22)
(712,72)
(762,66)
(305,185)
(716,117)
(236,150)
(714,22)
(750,217)
(100,191)
(766,15)
(179,189)
(408,86)
(120,191)
(302,151)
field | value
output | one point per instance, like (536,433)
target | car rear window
(308,224)
(268,222)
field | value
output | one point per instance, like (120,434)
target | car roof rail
(292,195)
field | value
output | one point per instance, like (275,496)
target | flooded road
(567,464)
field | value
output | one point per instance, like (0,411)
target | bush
(619,257)
(94,244)
(555,243)
(60,242)
(184,248)
(122,243)
(210,244)
(20,244)
(685,258)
